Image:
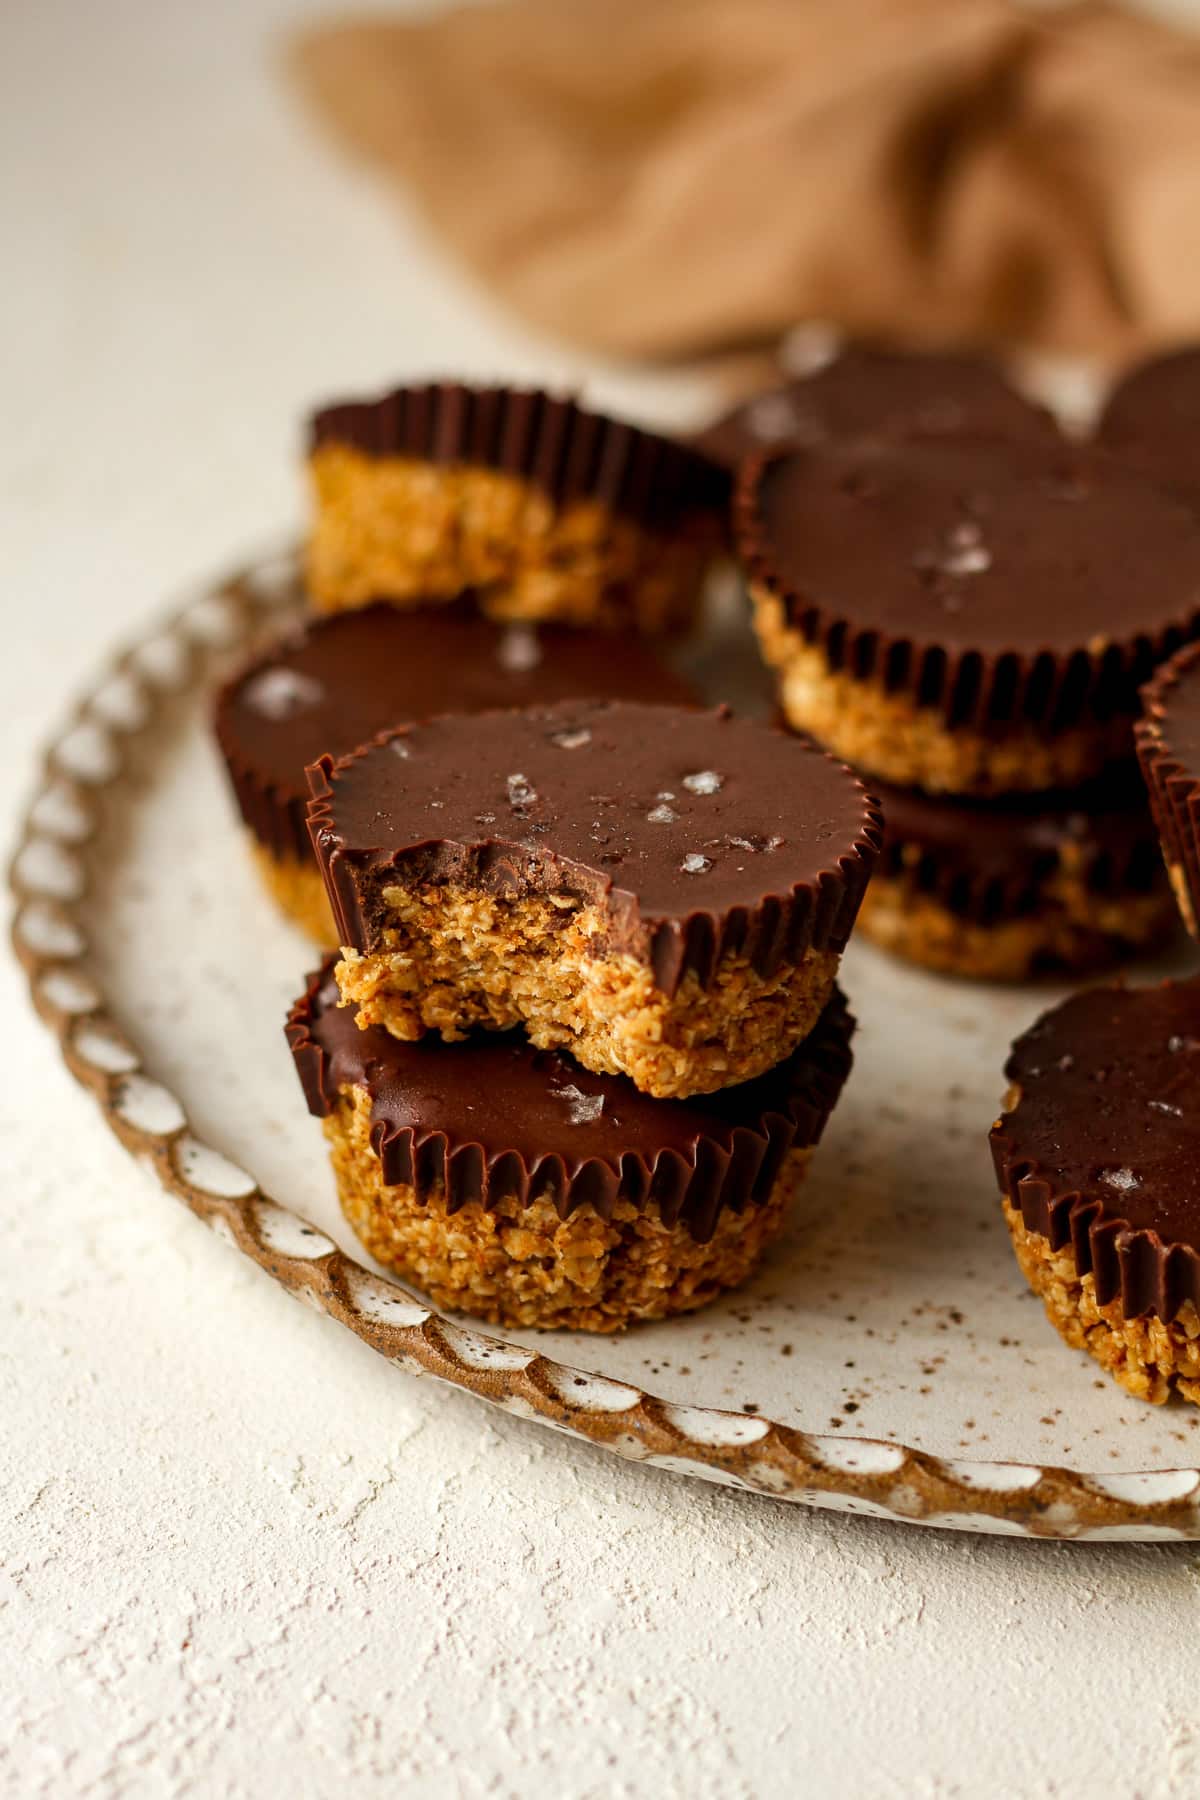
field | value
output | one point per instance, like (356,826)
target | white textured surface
(239,1555)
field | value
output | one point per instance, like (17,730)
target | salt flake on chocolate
(695,864)
(704,781)
(278,694)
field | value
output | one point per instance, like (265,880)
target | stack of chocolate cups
(582,1032)
(965,613)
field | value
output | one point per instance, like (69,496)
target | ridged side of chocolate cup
(1133,1266)
(690,1183)
(1174,788)
(987,862)
(1105,1085)
(777,930)
(559,447)
(990,692)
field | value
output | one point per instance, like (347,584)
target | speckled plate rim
(64,827)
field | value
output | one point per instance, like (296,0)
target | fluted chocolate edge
(692,1189)
(978,690)
(1132,1265)
(777,930)
(1174,790)
(558,446)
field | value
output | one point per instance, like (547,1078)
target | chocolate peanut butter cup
(1168,746)
(1098,1159)
(966,615)
(332,685)
(1019,886)
(665,893)
(538,508)
(508,1182)
(874,388)
(1152,420)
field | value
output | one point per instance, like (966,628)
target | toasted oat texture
(453,958)
(1074,931)
(888,736)
(298,890)
(1147,1357)
(523,1265)
(399,529)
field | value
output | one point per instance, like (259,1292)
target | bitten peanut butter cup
(341,680)
(1022,885)
(1152,420)
(1098,1159)
(872,388)
(665,893)
(537,507)
(508,1182)
(966,615)
(1168,747)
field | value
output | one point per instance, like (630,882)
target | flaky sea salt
(662,814)
(519,649)
(399,747)
(520,793)
(961,552)
(277,694)
(582,1108)
(695,864)
(1124,1180)
(704,781)
(1165,1106)
(571,740)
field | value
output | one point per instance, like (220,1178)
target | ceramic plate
(888,1360)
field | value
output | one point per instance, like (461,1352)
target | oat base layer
(1074,931)
(298,890)
(523,1265)
(1147,1357)
(453,958)
(398,529)
(889,736)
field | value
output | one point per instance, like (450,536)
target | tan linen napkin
(678,177)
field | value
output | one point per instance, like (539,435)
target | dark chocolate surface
(698,831)
(1152,419)
(878,389)
(1103,1149)
(491,1117)
(992,861)
(996,580)
(346,677)
(555,444)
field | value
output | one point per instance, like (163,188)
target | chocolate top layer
(555,444)
(491,1117)
(877,389)
(1103,1147)
(993,861)
(1152,419)
(348,676)
(997,580)
(697,832)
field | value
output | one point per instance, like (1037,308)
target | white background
(238,1554)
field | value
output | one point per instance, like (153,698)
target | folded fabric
(691,176)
